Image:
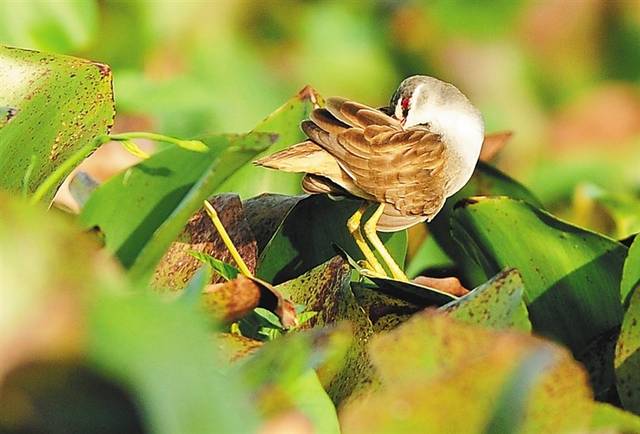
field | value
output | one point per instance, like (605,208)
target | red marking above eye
(405,103)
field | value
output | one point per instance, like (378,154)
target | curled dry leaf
(450,285)
(493,143)
(230,301)
(178,266)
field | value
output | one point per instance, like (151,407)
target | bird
(407,158)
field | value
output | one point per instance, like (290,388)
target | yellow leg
(372,236)
(353,224)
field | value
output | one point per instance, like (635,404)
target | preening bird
(408,157)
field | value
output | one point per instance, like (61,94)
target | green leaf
(306,237)
(433,366)
(571,275)
(631,270)
(60,105)
(142,210)
(627,356)
(285,368)
(486,181)
(284,125)
(163,353)
(497,304)
(228,271)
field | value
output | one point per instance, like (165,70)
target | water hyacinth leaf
(411,292)
(434,365)
(200,241)
(571,275)
(496,304)
(325,289)
(160,357)
(631,270)
(627,357)
(320,222)
(285,367)
(384,311)
(486,181)
(55,106)
(229,301)
(264,214)
(142,210)
(39,285)
(284,125)
(607,418)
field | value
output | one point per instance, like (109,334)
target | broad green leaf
(631,270)
(142,210)
(306,237)
(571,276)
(486,181)
(383,310)
(496,304)
(48,271)
(433,367)
(59,105)
(162,352)
(627,357)
(284,125)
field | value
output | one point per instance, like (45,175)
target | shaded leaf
(627,357)
(306,237)
(58,104)
(265,213)
(226,271)
(631,270)
(571,275)
(486,181)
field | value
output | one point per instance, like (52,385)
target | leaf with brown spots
(265,213)
(496,304)
(383,310)
(178,265)
(325,289)
(433,367)
(55,105)
(232,300)
(627,356)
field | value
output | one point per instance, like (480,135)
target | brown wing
(402,167)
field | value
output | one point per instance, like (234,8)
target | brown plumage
(361,151)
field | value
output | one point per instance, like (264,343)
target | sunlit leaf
(58,105)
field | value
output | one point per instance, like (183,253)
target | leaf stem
(191,145)
(61,171)
(213,215)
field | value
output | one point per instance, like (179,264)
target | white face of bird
(444,110)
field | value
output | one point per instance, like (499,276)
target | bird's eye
(405,103)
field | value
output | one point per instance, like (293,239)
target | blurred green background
(563,75)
